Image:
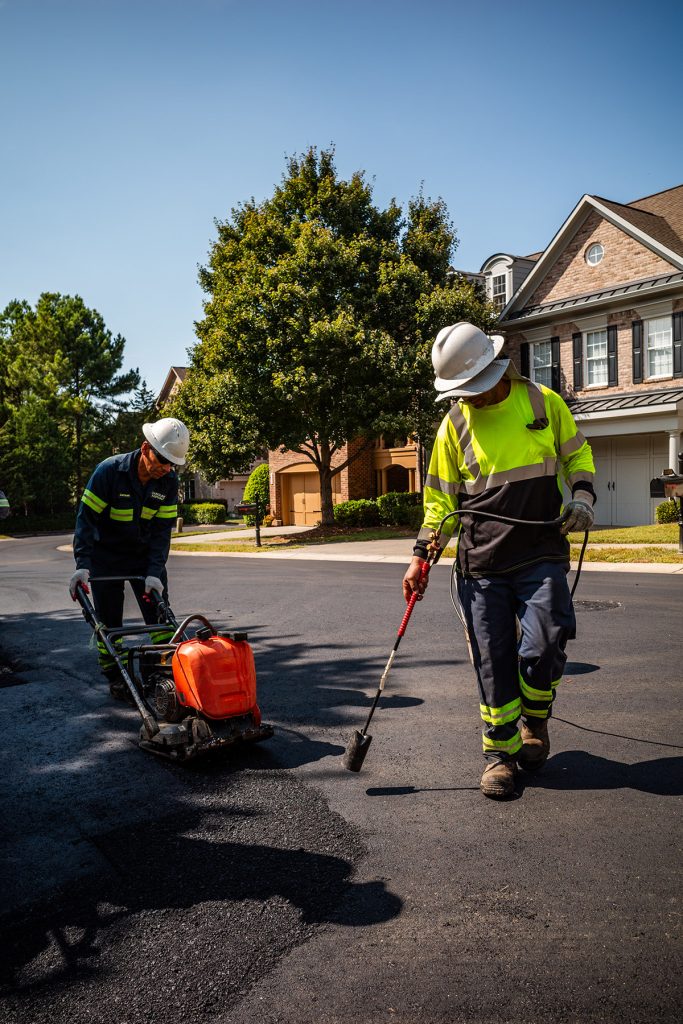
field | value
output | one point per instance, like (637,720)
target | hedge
(667,512)
(203,513)
(362,512)
(397,508)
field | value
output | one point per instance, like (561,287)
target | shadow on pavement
(575,769)
(160,869)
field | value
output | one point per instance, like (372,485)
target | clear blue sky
(127,127)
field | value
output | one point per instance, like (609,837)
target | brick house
(599,318)
(193,486)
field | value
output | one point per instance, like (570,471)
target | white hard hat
(464,360)
(169,437)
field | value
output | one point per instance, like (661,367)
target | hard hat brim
(483,381)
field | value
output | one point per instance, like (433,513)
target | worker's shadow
(576,769)
(162,869)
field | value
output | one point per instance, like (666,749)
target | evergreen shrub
(258,487)
(362,512)
(397,508)
(203,513)
(667,512)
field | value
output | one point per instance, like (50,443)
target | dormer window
(594,254)
(498,291)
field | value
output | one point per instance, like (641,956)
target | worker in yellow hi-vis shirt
(501,449)
(123,528)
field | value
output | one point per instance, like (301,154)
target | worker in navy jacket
(123,528)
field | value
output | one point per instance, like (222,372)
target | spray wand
(359,743)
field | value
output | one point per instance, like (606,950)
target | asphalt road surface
(271,885)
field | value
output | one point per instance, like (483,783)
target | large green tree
(62,392)
(320,316)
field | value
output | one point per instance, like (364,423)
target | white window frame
(533,353)
(496,296)
(594,247)
(588,361)
(648,349)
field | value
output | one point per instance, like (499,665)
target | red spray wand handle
(424,573)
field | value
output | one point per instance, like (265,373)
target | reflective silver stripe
(573,444)
(575,478)
(537,399)
(437,483)
(510,476)
(457,418)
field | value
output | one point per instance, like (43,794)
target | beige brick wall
(625,260)
(356,481)
(564,331)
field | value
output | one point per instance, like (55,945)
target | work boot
(117,687)
(498,780)
(535,744)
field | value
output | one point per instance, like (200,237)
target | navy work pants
(517,678)
(108,598)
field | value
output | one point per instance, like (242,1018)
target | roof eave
(562,312)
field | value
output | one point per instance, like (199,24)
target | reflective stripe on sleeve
(93,502)
(437,483)
(121,515)
(167,512)
(573,444)
(147,513)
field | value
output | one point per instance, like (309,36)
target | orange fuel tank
(217,676)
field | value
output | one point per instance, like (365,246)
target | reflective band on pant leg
(104,658)
(489,609)
(161,636)
(547,620)
(504,746)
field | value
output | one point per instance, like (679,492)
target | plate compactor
(194,694)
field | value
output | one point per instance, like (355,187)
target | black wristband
(421,550)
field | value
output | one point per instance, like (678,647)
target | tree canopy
(320,314)
(64,402)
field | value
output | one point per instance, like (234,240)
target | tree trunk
(325,472)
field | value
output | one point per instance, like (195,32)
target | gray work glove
(578,516)
(80,576)
(154,583)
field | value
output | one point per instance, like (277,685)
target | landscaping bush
(362,512)
(258,487)
(667,512)
(18,524)
(397,508)
(203,513)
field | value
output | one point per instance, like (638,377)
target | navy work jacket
(124,526)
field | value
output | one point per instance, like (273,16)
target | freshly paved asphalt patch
(278,887)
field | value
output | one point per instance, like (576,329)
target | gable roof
(655,221)
(175,374)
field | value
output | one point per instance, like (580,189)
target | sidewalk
(396,551)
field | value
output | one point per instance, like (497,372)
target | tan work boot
(498,780)
(535,744)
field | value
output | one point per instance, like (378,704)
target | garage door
(304,499)
(624,467)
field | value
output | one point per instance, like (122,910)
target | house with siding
(193,485)
(599,318)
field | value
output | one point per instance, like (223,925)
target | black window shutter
(577,343)
(678,344)
(555,364)
(524,359)
(637,335)
(612,356)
